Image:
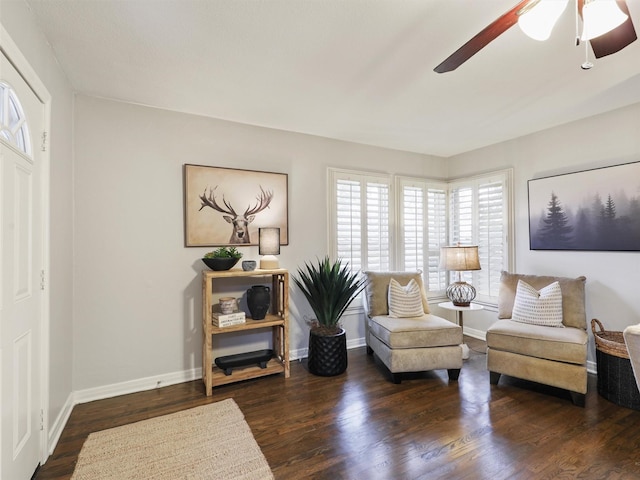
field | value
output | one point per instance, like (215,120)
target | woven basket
(609,342)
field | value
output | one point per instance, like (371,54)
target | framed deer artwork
(227,206)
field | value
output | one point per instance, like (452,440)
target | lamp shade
(269,247)
(539,20)
(269,241)
(600,17)
(459,258)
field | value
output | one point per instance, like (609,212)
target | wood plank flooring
(361,426)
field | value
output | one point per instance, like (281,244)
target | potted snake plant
(329,287)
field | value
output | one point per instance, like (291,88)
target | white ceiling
(356,70)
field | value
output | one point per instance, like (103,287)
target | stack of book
(228,319)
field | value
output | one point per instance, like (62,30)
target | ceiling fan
(602,45)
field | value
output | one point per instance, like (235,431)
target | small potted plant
(329,287)
(223,258)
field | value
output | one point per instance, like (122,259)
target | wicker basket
(609,342)
(616,382)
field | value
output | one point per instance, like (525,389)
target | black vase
(258,300)
(327,354)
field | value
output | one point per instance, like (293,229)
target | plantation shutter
(360,220)
(479,215)
(423,230)
(491,232)
(349,222)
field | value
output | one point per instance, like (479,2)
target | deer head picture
(227,206)
(240,222)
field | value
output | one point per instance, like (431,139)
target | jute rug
(209,442)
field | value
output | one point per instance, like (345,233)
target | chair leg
(369,350)
(578,399)
(454,373)
(494,377)
(397,378)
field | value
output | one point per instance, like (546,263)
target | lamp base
(461,294)
(269,262)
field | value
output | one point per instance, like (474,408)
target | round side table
(459,311)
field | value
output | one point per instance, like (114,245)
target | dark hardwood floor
(361,426)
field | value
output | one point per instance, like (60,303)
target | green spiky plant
(329,287)
(224,252)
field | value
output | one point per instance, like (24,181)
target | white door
(21,263)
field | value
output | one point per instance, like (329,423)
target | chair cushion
(573,310)
(558,344)
(417,332)
(405,301)
(538,307)
(377,288)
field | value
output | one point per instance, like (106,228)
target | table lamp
(269,247)
(460,259)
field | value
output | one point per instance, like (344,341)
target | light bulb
(539,20)
(600,17)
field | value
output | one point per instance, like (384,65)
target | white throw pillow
(405,301)
(535,307)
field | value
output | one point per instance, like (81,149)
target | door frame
(19,61)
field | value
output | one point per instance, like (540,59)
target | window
(479,214)
(13,124)
(422,229)
(360,219)
(475,211)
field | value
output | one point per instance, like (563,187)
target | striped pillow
(405,301)
(535,307)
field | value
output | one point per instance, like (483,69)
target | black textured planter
(327,354)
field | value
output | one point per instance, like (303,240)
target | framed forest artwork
(596,210)
(227,206)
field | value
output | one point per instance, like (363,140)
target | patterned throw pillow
(405,301)
(535,307)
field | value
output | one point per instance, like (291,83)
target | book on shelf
(228,319)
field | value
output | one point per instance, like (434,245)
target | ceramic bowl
(248,265)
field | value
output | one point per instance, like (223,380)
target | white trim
(58,426)
(475,333)
(21,64)
(302,353)
(134,386)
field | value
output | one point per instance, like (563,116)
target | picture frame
(588,210)
(227,206)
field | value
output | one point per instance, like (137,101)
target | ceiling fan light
(539,20)
(600,17)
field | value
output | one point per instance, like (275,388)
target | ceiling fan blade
(482,39)
(616,39)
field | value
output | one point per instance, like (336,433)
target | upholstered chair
(631,336)
(400,330)
(543,347)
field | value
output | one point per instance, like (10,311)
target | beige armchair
(409,343)
(631,336)
(545,354)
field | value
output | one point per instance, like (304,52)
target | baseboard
(474,333)
(133,386)
(301,353)
(58,426)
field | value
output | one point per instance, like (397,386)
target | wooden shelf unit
(277,320)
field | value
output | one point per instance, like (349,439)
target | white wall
(137,288)
(607,139)
(16,18)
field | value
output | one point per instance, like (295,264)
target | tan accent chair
(548,355)
(414,344)
(631,336)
